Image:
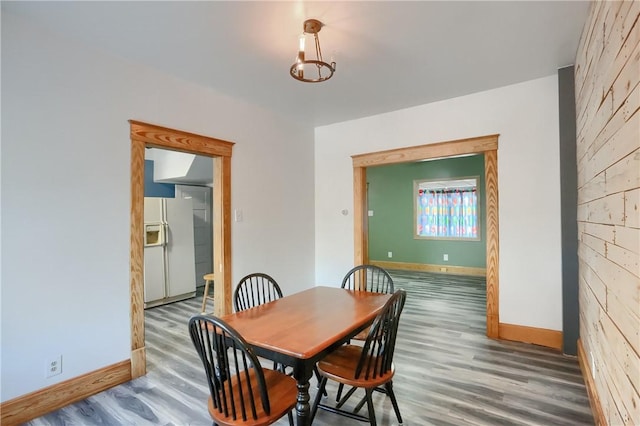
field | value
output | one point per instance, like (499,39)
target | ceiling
(390,55)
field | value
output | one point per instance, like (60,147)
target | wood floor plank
(447,371)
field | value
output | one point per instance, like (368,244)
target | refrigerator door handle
(166,233)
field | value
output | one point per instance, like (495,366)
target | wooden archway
(487,145)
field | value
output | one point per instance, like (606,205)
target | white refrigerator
(169,258)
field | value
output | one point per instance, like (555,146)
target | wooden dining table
(300,329)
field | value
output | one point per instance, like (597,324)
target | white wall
(65,196)
(526,117)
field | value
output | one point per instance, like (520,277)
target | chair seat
(340,366)
(283,393)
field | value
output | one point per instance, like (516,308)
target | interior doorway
(145,135)
(487,145)
(171,175)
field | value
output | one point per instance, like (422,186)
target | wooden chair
(368,278)
(241,391)
(365,278)
(255,289)
(369,366)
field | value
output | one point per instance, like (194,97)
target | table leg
(302,374)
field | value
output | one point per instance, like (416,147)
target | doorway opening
(487,145)
(178,205)
(143,136)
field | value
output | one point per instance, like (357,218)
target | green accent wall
(391,228)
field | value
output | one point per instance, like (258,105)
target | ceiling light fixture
(316,69)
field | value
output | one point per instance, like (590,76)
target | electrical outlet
(445,257)
(389,254)
(53,366)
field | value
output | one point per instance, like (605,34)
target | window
(446,209)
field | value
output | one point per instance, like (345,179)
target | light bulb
(301,45)
(300,69)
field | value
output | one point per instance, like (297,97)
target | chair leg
(340,387)
(389,388)
(290,416)
(314,408)
(204,297)
(361,403)
(346,397)
(319,378)
(372,413)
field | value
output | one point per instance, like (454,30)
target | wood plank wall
(607,73)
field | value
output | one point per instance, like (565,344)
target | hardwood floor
(447,371)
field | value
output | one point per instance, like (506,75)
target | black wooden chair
(239,387)
(368,278)
(255,289)
(364,278)
(369,366)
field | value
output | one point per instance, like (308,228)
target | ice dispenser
(153,234)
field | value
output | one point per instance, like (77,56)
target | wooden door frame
(145,135)
(487,145)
